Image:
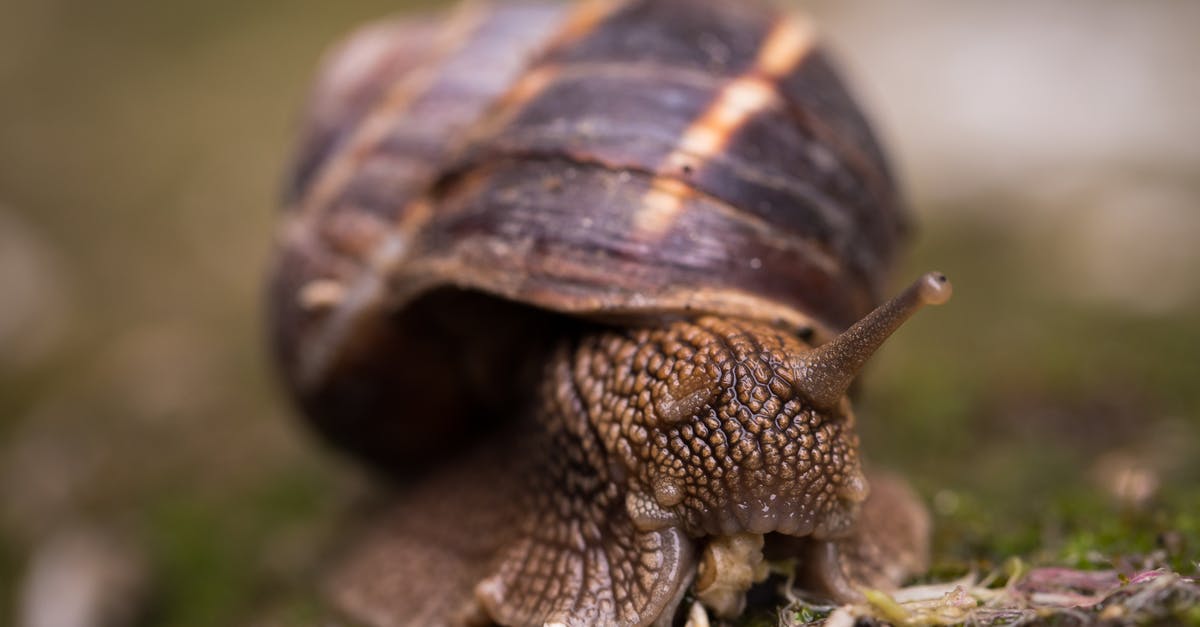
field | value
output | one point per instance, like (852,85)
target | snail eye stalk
(824,374)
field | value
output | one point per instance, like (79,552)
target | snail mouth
(770,515)
(792,513)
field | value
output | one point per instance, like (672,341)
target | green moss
(213,552)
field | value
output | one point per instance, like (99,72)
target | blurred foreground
(147,459)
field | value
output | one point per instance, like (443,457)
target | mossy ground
(141,145)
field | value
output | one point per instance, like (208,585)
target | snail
(590,284)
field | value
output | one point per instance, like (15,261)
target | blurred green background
(1052,410)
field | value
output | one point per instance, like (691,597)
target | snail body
(591,284)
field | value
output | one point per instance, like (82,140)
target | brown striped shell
(459,189)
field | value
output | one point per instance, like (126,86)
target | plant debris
(1058,596)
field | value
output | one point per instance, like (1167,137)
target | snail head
(750,429)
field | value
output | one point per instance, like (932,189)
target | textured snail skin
(754,457)
(889,543)
(598,512)
(628,487)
